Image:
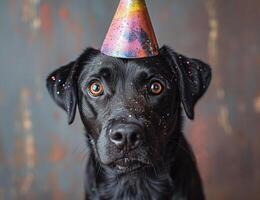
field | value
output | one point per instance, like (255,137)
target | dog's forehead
(154,64)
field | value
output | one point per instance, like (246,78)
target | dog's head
(129,107)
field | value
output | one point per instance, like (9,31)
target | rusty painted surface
(42,158)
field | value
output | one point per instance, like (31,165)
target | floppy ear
(62,83)
(193,76)
(62,88)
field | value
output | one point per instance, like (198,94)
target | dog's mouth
(126,165)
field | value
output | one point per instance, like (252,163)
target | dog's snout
(127,136)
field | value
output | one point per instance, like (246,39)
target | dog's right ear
(61,87)
(62,83)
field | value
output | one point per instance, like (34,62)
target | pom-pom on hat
(131,33)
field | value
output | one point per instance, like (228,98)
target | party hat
(131,33)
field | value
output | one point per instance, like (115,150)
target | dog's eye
(156,88)
(96,88)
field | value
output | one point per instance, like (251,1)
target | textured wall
(42,158)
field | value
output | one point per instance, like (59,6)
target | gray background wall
(42,158)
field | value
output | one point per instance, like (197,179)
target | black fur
(162,165)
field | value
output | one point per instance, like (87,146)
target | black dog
(131,110)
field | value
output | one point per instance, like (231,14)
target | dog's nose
(126,135)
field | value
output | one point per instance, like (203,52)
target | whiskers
(82,152)
(162,162)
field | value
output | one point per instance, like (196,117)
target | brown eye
(96,88)
(156,88)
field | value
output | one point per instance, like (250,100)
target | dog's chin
(129,166)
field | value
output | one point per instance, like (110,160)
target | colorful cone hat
(131,33)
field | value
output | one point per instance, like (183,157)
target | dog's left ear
(62,83)
(193,78)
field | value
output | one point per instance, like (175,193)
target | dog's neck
(108,185)
(138,187)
